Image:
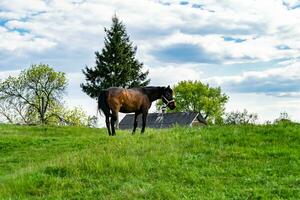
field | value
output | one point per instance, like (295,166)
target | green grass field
(230,162)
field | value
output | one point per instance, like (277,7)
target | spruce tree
(116,65)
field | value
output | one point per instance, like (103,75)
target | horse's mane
(152,87)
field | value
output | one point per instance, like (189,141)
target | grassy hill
(241,162)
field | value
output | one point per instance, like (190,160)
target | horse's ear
(168,86)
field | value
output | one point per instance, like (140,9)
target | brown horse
(137,100)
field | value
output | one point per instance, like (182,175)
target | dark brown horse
(137,100)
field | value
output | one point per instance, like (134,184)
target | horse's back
(119,91)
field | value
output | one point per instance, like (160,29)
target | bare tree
(237,117)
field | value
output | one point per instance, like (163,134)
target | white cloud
(20,5)
(16,42)
(281,82)
(172,74)
(79,25)
(6,74)
(216,47)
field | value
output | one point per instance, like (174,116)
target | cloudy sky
(250,48)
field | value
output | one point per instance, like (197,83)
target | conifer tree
(116,65)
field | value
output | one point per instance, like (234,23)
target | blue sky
(251,49)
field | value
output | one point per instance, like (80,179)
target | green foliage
(236,117)
(76,117)
(61,115)
(38,89)
(116,65)
(217,162)
(198,97)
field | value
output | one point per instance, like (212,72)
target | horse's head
(167,97)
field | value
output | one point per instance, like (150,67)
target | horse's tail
(102,102)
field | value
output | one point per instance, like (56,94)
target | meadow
(217,162)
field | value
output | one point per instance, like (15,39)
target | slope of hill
(231,162)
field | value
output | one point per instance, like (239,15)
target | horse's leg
(144,117)
(135,123)
(117,122)
(113,122)
(107,124)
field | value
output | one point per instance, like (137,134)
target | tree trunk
(43,111)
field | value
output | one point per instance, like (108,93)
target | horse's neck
(154,93)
